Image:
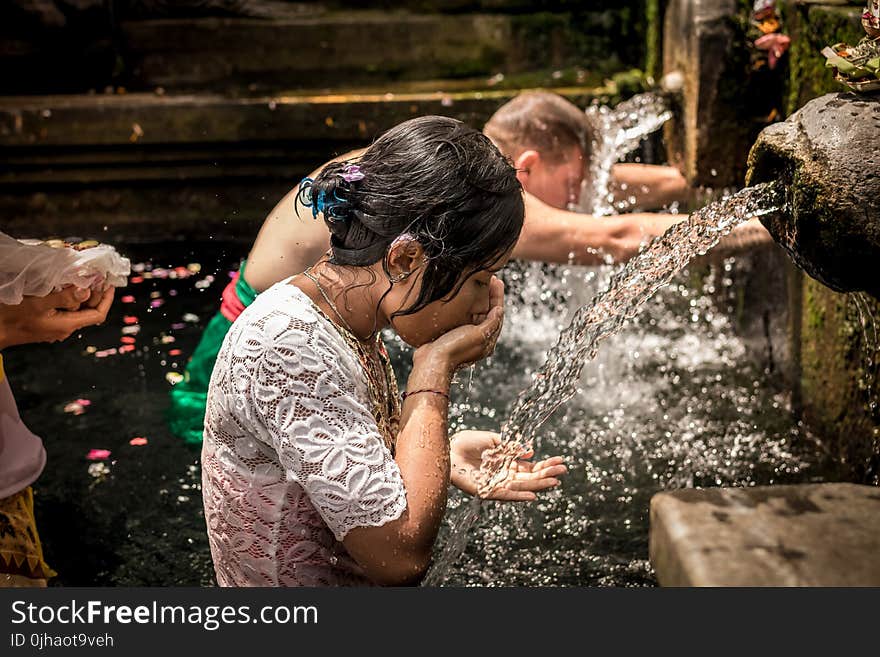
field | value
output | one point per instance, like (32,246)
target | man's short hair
(540,121)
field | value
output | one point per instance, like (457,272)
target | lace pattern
(292,458)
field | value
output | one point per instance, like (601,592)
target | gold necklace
(377,370)
(308,274)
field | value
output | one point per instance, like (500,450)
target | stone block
(720,106)
(802,535)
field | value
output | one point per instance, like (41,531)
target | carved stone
(827,154)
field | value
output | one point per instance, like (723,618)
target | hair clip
(304,196)
(333,209)
(320,204)
(351,173)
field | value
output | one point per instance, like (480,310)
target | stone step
(339,49)
(803,535)
(187,164)
(69,128)
(182,50)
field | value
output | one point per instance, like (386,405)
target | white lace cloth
(292,457)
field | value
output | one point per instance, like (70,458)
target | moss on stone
(812,27)
(606,39)
(840,377)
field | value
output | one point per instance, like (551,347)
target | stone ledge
(106,120)
(137,165)
(343,48)
(804,535)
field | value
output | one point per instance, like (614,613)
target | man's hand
(524,478)
(53,317)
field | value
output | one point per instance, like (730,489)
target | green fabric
(246,294)
(186,415)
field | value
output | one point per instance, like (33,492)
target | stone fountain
(827,154)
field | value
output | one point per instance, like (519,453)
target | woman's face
(469,306)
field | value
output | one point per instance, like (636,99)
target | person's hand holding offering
(53,317)
(524,478)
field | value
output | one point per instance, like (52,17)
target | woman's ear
(524,163)
(405,256)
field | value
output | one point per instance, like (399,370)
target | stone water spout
(828,155)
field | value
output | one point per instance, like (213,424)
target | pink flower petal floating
(175,352)
(156,303)
(127,339)
(98,454)
(129,319)
(84,402)
(127,299)
(136,279)
(126,348)
(74,408)
(138,441)
(177,326)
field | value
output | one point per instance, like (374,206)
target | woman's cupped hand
(470,343)
(525,478)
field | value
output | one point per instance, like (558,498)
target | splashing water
(870,366)
(629,289)
(618,131)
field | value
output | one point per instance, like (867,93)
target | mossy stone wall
(811,28)
(837,335)
(840,376)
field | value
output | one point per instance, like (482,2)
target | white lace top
(292,457)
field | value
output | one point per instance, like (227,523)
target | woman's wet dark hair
(433,178)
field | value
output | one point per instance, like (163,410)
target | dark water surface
(690,394)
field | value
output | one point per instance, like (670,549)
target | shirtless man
(547,138)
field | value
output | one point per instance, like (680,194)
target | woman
(314,473)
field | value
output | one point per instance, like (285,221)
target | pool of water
(691,393)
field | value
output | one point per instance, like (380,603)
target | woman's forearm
(422,450)
(399,552)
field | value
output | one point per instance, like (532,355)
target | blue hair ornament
(332,209)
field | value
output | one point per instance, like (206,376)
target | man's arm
(653,187)
(553,235)
(290,239)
